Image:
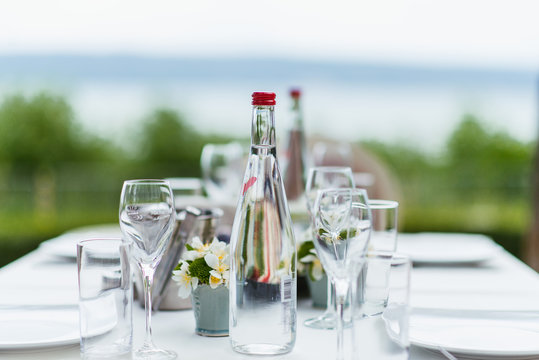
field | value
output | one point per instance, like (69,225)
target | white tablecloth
(502,283)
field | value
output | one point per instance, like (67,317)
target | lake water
(415,105)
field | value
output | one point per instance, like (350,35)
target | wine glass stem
(341,290)
(148,273)
(330,296)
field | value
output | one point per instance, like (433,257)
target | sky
(478,34)
(483,33)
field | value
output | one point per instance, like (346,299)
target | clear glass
(105,299)
(147,218)
(222,165)
(384,225)
(263,306)
(382,245)
(342,223)
(385,335)
(319,178)
(374,283)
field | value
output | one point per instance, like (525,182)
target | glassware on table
(384,225)
(319,178)
(383,243)
(222,165)
(373,283)
(105,299)
(341,223)
(263,307)
(326,177)
(146,219)
(385,335)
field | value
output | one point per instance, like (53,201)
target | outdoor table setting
(122,290)
(499,292)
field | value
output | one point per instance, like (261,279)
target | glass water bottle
(295,174)
(263,307)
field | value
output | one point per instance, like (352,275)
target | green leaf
(199,269)
(305,249)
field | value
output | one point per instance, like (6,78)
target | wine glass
(222,169)
(325,177)
(342,223)
(147,217)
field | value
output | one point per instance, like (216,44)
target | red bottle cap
(295,93)
(263,98)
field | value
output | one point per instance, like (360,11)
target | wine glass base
(327,321)
(324,321)
(145,353)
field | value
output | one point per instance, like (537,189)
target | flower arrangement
(202,264)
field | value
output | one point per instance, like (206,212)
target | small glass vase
(211,310)
(319,291)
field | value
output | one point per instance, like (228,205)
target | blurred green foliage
(55,176)
(41,132)
(168,142)
(479,183)
(483,163)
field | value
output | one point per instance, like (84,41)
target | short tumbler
(385,335)
(384,225)
(375,283)
(105,299)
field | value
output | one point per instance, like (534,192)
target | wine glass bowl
(333,211)
(342,226)
(147,218)
(143,222)
(326,177)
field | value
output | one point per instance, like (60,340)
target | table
(502,283)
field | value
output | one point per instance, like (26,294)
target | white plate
(447,248)
(38,329)
(65,245)
(477,334)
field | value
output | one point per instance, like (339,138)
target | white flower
(215,255)
(199,249)
(220,273)
(317,271)
(186,282)
(220,249)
